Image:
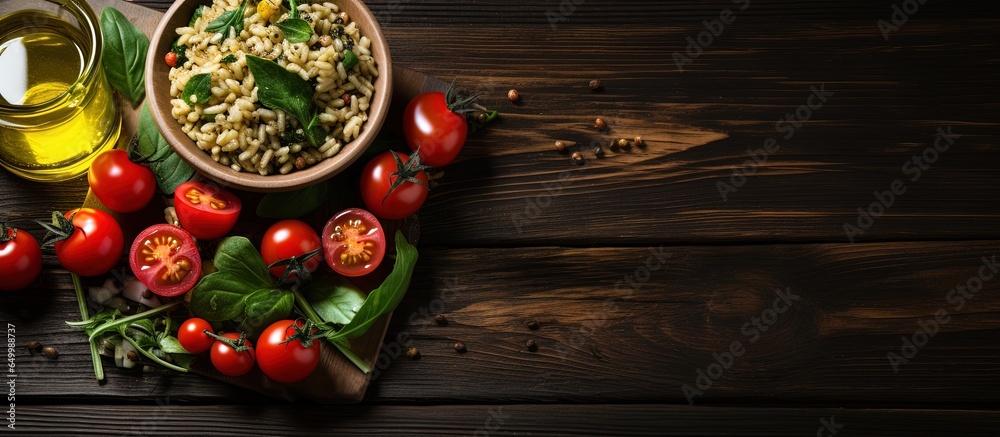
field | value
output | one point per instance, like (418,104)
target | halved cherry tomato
(165,259)
(205,210)
(120,184)
(353,242)
(192,335)
(286,239)
(20,259)
(228,361)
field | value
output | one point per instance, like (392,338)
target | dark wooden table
(656,273)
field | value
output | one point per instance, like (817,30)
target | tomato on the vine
(205,210)
(431,125)
(192,335)
(120,184)
(229,361)
(353,242)
(20,259)
(287,239)
(286,354)
(394,186)
(88,242)
(165,258)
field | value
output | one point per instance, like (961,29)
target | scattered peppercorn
(600,123)
(440,319)
(34,346)
(147,294)
(482,117)
(623,143)
(531,345)
(533,325)
(460,347)
(326,41)
(595,85)
(300,163)
(412,353)
(560,146)
(613,146)
(513,96)
(639,142)
(346,98)
(50,352)
(132,356)
(343,16)
(578,158)
(599,151)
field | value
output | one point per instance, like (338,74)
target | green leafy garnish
(229,20)
(124,56)
(197,14)
(295,204)
(180,51)
(386,297)
(336,302)
(170,170)
(293,9)
(296,30)
(198,86)
(229,59)
(278,88)
(350,60)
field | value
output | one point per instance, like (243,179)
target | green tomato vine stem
(95,356)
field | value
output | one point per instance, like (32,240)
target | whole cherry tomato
(120,184)
(20,259)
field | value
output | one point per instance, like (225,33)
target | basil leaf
(278,88)
(265,307)
(199,86)
(229,59)
(219,297)
(295,204)
(336,302)
(350,60)
(171,345)
(387,296)
(170,170)
(124,56)
(293,9)
(197,14)
(238,256)
(296,30)
(229,19)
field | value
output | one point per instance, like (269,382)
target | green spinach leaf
(229,59)
(296,30)
(238,255)
(350,60)
(293,9)
(335,302)
(295,204)
(171,345)
(241,289)
(170,170)
(265,307)
(220,296)
(278,88)
(200,87)
(387,296)
(124,56)
(229,20)
(197,14)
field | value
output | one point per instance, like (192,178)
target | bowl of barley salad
(232,137)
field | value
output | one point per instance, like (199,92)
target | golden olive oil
(54,117)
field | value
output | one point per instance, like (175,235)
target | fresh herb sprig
(124,56)
(278,88)
(229,23)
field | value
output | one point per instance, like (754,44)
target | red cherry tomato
(376,182)
(94,247)
(20,259)
(353,242)
(228,361)
(171,59)
(165,259)
(120,184)
(192,335)
(205,210)
(286,239)
(286,361)
(430,126)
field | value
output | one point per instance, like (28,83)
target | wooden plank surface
(611,362)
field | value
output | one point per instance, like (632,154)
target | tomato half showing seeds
(165,259)
(95,244)
(120,184)
(205,210)
(353,242)
(20,259)
(229,361)
(286,239)
(283,358)
(192,335)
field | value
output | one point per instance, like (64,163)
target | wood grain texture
(507,420)
(598,344)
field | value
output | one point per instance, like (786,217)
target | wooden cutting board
(336,380)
